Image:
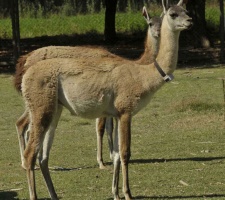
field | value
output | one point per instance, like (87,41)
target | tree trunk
(199,35)
(137,4)
(84,6)
(110,18)
(97,6)
(222,27)
(122,5)
(81,6)
(14,12)
(5,8)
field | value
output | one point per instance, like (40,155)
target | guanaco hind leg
(22,129)
(109,131)
(43,155)
(43,114)
(40,140)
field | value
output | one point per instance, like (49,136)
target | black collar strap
(166,77)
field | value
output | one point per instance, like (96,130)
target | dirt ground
(128,46)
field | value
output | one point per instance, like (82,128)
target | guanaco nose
(191,22)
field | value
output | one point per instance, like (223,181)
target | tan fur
(92,88)
(151,42)
(24,62)
(149,55)
(100,129)
(150,49)
(20,71)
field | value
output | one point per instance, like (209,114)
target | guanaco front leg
(121,148)
(116,163)
(124,132)
(100,128)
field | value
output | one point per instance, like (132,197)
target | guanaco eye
(150,24)
(173,15)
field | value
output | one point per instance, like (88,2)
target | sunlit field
(178,146)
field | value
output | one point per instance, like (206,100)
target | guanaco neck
(151,49)
(168,49)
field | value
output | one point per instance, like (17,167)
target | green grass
(129,22)
(80,24)
(212,16)
(178,146)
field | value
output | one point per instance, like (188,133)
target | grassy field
(178,146)
(80,24)
(129,22)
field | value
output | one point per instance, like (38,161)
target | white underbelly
(86,102)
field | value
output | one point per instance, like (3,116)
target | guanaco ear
(162,15)
(167,4)
(164,6)
(145,14)
(180,3)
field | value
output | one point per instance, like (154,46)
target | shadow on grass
(162,160)
(8,195)
(124,46)
(12,195)
(177,197)
(139,161)
(38,199)
(127,45)
(64,169)
(181,197)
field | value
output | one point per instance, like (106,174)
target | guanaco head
(177,16)
(155,26)
(153,22)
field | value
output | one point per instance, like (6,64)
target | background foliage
(54,17)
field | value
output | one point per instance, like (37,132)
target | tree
(136,4)
(5,8)
(14,12)
(222,31)
(122,5)
(97,5)
(200,36)
(110,21)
